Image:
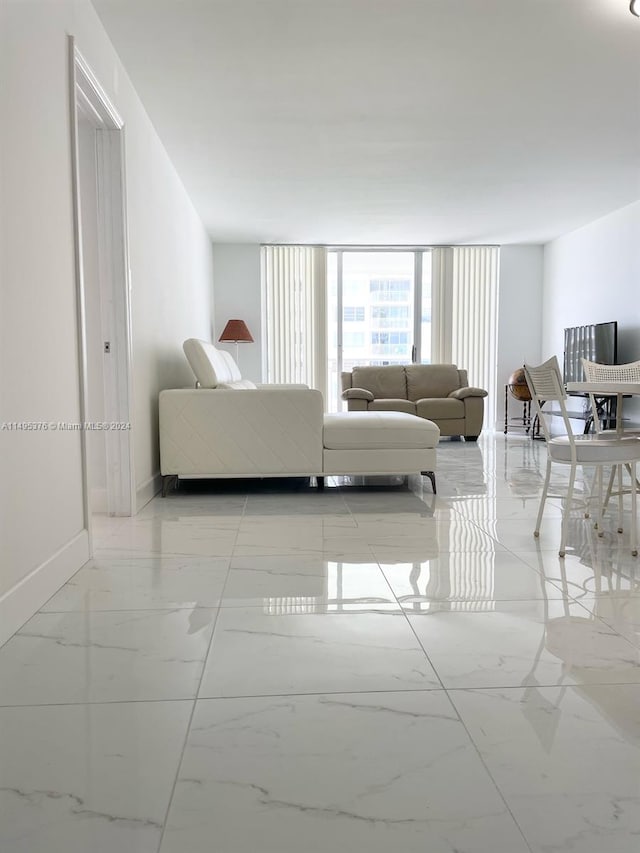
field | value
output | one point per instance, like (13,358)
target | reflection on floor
(248,668)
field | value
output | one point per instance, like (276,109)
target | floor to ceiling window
(378,310)
(328,310)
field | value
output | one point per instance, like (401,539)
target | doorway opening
(104,308)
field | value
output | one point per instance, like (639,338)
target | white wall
(592,275)
(519,318)
(42,539)
(236,275)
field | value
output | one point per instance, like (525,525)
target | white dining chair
(596,451)
(596,372)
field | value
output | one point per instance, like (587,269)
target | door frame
(88,97)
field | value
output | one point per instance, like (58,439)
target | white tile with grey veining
(395,521)
(325,535)
(145,583)
(313,536)
(452,489)
(307,609)
(566,759)
(337,547)
(457,539)
(196,524)
(88,779)
(618,610)
(365,504)
(361,772)
(162,536)
(514,643)
(329,502)
(517,535)
(214,507)
(589,572)
(103,529)
(309,580)
(316,521)
(105,657)
(468,576)
(377,530)
(491,507)
(256,652)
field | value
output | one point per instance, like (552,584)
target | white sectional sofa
(230,427)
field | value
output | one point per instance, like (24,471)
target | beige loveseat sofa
(437,392)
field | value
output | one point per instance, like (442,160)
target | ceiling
(390,121)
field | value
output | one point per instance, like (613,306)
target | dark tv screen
(598,342)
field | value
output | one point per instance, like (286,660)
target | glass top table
(608,389)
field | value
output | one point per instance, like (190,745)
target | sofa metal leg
(320,483)
(169,482)
(432,476)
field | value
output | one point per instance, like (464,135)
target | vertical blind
(441,305)
(294,318)
(465,284)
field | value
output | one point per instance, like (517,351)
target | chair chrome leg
(597,489)
(607,497)
(620,500)
(567,511)
(591,498)
(601,505)
(545,489)
(634,520)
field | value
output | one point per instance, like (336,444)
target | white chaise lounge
(229,427)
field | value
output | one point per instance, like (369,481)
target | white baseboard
(28,595)
(148,490)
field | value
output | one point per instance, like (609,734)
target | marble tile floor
(252,668)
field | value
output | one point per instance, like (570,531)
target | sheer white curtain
(294,315)
(465,314)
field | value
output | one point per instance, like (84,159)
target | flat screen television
(598,342)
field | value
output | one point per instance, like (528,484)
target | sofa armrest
(462,393)
(254,433)
(357,394)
